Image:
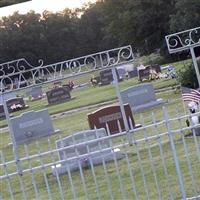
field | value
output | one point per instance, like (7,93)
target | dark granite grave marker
(121,73)
(58,95)
(133,73)
(144,73)
(106,77)
(2,113)
(110,115)
(16,104)
(157,68)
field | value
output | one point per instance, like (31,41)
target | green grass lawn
(127,169)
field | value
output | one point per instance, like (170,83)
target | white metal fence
(161,163)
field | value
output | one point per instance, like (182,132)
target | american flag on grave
(189,94)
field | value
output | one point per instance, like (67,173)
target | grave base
(148,105)
(96,158)
(196,131)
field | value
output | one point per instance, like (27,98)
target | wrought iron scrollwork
(19,73)
(183,40)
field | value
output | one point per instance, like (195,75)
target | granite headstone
(36,93)
(16,104)
(140,97)
(110,116)
(121,73)
(31,126)
(2,113)
(7,96)
(58,95)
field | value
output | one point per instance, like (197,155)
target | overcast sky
(40,5)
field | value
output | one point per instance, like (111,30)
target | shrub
(153,58)
(187,77)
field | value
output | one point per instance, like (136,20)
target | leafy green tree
(187,76)
(185,16)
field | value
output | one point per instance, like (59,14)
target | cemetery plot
(140,97)
(31,126)
(121,72)
(35,93)
(111,116)
(133,73)
(16,104)
(7,96)
(83,150)
(95,80)
(106,76)
(148,72)
(58,95)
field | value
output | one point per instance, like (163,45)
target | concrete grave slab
(83,148)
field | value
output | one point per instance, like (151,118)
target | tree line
(96,27)
(4,3)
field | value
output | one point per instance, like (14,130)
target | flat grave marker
(82,154)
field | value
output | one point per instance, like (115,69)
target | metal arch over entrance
(185,40)
(32,76)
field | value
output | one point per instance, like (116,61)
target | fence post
(15,150)
(175,157)
(194,60)
(121,105)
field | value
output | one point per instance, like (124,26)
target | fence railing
(18,74)
(147,169)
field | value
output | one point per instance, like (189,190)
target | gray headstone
(121,73)
(7,96)
(31,126)
(140,97)
(81,137)
(35,93)
(84,154)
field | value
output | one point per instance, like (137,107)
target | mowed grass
(89,96)
(152,158)
(108,175)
